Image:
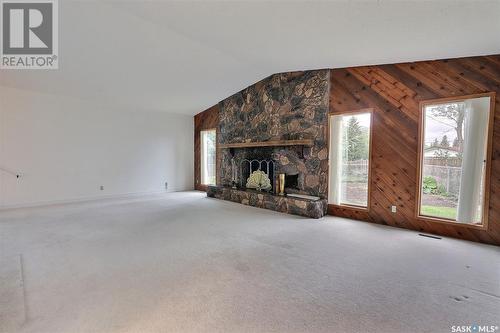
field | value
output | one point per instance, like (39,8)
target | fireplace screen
(247,167)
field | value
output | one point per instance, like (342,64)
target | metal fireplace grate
(248,166)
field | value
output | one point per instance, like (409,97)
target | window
(453,160)
(208,152)
(349,159)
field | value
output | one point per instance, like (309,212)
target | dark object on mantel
(297,206)
(271,143)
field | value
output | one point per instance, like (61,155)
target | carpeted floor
(181,262)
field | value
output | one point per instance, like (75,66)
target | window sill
(451,222)
(350,207)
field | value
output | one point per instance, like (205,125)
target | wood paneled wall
(394,92)
(208,119)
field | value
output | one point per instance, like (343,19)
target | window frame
(370,139)
(487,174)
(201,156)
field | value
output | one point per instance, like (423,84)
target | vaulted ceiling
(185,56)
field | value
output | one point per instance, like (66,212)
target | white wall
(65,149)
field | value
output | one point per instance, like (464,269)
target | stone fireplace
(282,119)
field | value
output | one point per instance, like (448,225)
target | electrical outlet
(102,188)
(393,209)
(166,185)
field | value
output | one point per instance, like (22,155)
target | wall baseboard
(84,199)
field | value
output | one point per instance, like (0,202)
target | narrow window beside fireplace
(349,159)
(208,159)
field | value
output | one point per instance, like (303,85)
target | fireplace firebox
(292,182)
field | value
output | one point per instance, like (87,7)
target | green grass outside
(444,212)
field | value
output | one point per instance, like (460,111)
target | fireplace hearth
(308,207)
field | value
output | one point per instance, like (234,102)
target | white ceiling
(185,56)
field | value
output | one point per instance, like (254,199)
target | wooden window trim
(370,158)
(201,185)
(487,174)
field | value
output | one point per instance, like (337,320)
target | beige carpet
(181,262)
